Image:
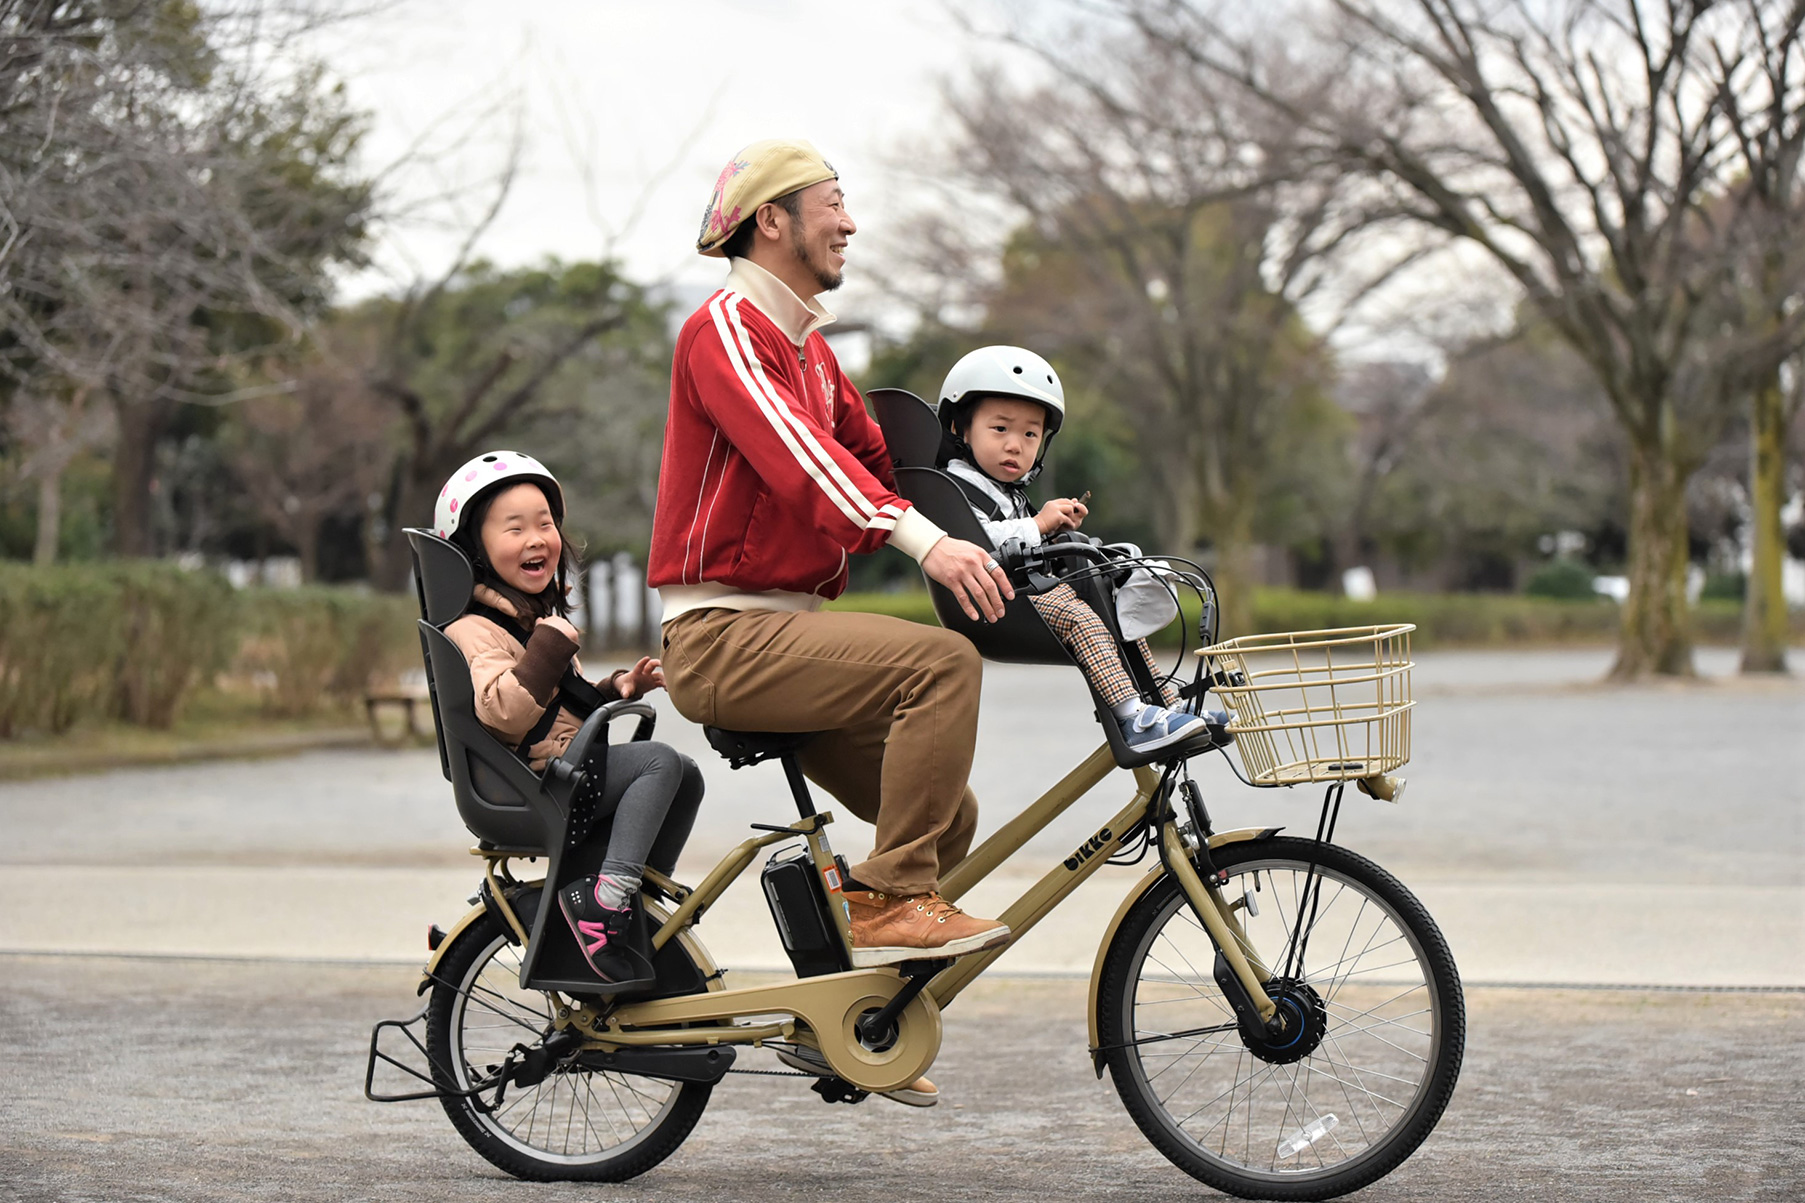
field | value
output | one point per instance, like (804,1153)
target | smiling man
(773,474)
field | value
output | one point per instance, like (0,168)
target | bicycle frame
(825,1010)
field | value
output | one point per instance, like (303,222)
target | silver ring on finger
(990,565)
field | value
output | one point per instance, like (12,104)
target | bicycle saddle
(742,748)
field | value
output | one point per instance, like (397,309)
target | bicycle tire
(547,1132)
(1379,1031)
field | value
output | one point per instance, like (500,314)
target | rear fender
(1147,882)
(451,937)
(654,911)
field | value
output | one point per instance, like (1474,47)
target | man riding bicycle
(772,475)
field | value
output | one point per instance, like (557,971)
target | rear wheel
(1374,1025)
(575,1124)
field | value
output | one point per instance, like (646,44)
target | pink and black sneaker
(605,934)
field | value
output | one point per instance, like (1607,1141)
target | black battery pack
(799,904)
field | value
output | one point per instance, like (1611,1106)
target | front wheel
(576,1123)
(1375,1025)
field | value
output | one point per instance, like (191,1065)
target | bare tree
(318,451)
(471,354)
(1166,267)
(54,432)
(167,209)
(1759,65)
(1587,148)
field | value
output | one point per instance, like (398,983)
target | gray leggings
(653,792)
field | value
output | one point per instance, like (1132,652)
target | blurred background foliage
(180,379)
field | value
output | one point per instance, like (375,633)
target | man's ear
(766,219)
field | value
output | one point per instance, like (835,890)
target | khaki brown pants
(896,703)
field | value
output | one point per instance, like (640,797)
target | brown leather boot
(887,929)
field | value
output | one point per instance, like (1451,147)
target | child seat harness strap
(979,499)
(574,693)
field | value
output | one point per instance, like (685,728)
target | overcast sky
(629,106)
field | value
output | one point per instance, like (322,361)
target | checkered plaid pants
(1082,630)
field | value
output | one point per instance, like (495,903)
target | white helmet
(481,475)
(1003,372)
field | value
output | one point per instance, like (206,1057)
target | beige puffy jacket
(514,684)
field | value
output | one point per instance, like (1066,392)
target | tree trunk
(413,507)
(1231,532)
(50,514)
(1175,514)
(1655,637)
(141,426)
(1764,632)
(307,546)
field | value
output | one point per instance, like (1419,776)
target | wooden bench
(407,700)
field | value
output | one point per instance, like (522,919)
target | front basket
(1318,705)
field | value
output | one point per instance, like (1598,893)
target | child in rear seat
(506,511)
(1002,406)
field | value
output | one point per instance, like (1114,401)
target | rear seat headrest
(442,574)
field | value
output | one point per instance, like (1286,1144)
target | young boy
(1003,405)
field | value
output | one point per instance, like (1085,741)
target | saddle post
(827,865)
(798,785)
(744,748)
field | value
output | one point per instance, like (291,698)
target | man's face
(1005,436)
(818,237)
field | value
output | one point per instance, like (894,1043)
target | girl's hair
(555,597)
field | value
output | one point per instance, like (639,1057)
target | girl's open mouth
(532,565)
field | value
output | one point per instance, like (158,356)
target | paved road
(219,1082)
(1562,831)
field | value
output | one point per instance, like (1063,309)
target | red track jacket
(773,472)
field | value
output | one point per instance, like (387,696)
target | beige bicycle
(1280,1016)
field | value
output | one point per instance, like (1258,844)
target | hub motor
(1305,1017)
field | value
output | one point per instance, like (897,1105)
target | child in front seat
(506,512)
(1003,405)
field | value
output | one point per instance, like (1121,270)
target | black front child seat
(918,447)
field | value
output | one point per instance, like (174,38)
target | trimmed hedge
(1442,619)
(133,640)
(307,648)
(126,640)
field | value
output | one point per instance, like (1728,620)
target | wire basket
(1318,705)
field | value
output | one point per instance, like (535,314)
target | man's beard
(826,279)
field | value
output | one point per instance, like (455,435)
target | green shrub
(58,643)
(320,645)
(129,640)
(1563,578)
(180,629)
(1442,619)
(133,640)
(1724,586)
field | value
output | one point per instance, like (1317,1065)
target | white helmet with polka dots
(481,475)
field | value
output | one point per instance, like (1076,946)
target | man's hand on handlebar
(972,575)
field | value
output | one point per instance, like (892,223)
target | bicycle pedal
(838,1090)
(923,968)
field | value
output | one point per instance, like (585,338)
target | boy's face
(1005,436)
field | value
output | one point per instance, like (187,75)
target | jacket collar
(776,300)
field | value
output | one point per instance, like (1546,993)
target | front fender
(1237,836)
